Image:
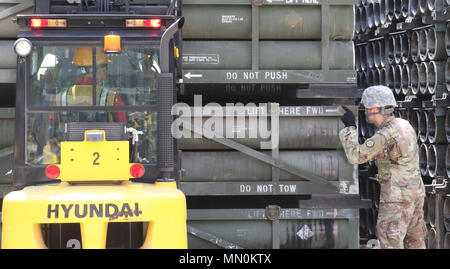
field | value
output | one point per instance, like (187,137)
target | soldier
(394,145)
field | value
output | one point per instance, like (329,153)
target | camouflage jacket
(394,146)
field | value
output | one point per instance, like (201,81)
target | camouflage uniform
(394,146)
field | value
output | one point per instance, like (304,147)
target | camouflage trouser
(401,225)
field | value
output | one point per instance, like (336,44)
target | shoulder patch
(369,143)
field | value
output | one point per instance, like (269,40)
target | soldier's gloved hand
(348,118)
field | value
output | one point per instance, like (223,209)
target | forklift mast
(74,23)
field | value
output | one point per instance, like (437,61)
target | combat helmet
(379,96)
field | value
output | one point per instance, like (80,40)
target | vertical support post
(255,37)
(353,236)
(274,113)
(325,38)
(94,76)
(165,99)
(276,234)
(440,230)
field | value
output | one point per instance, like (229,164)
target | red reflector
(52,172)
(137,170)
(38,23)
(153,23)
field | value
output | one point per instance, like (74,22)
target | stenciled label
(227,19)
(201,58)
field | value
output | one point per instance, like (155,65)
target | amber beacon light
(112,44)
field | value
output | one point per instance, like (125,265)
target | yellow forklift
(94,159)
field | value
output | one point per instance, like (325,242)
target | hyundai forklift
(95,163)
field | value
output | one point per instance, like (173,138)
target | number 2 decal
(96,159)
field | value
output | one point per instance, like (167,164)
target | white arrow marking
(189,75)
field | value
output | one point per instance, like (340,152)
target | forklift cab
(108,79)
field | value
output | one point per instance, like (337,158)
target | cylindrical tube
(432,238)
(447,74)
(405,48)
(289,55)
(357,59)
(435,76)
(376,14)
(363,55)
(406,80)
(404,114)
(369,12)
(398,80)
(236,166)
(423,6)
(414,117)
(423,79)
(405,8)
(436,45)
(390,10)
(362,123)
(390,77)
(414,7)
(422,128)
(376,54)
(370,78)
(382,76)
(447,239)
(447,214)
(382,45)
(415,78)
(357,20)
(398,49)
(361,80)
(436,160)
(370,56)
(432,209)
(383,18)
(447,39)
(423,156)
(447,125)
(415,55)
(447,160)
(295,133)
(436,128)
(426,218)
(398,9)
(390,49)
(376,76)
(288,22)
(431,5)
(423,48)
(363,21)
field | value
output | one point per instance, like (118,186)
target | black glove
(348,118)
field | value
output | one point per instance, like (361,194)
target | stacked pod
(372,14)
(411,63)
(415,64)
